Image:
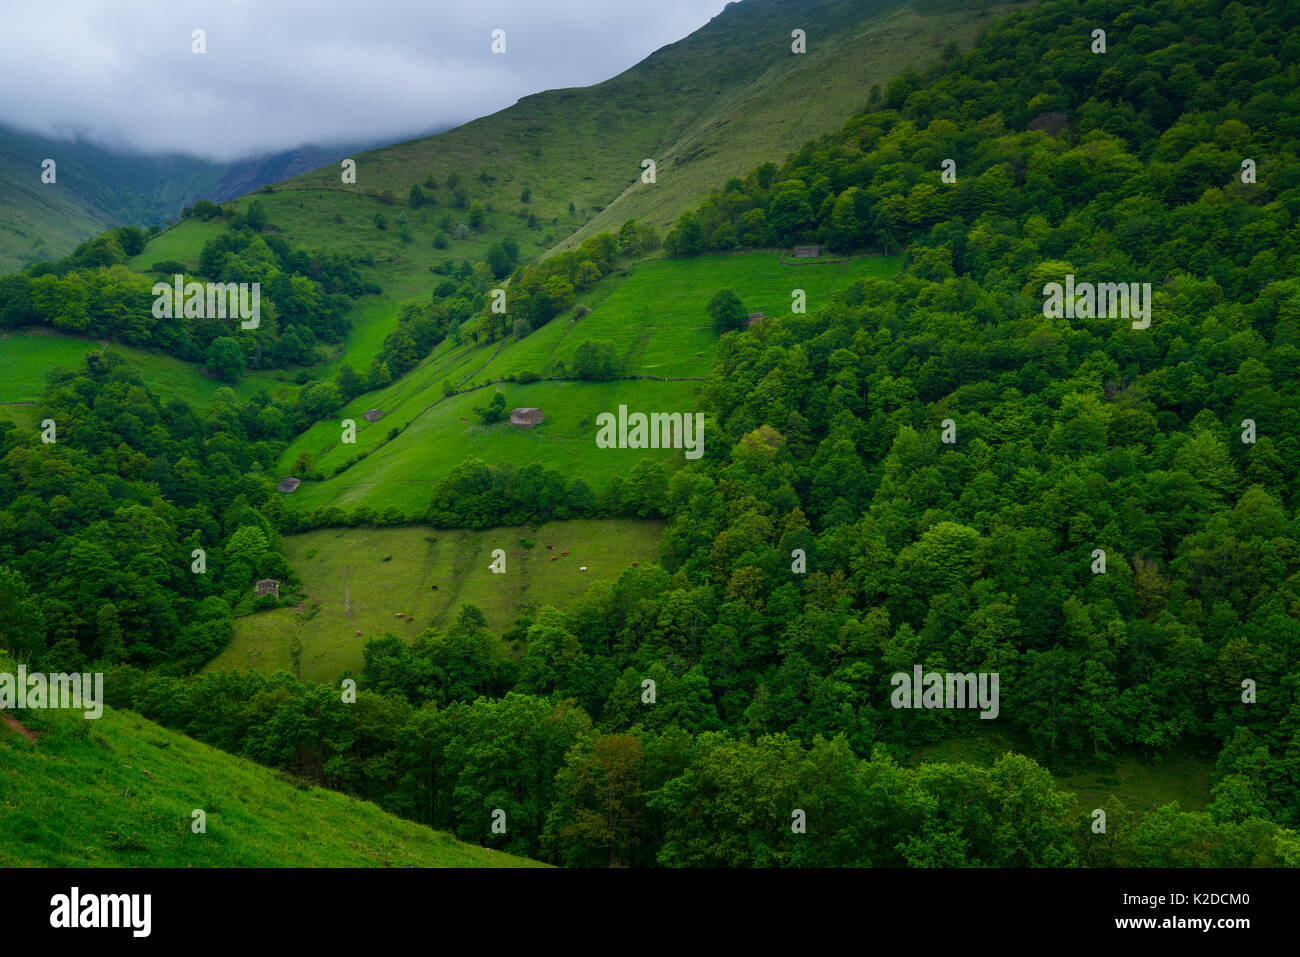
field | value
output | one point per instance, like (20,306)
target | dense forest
(950,461)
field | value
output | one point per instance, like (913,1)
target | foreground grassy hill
(654,313)
(426,575)
(120,791)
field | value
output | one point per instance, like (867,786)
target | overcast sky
(281,73)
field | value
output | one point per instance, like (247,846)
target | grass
(455,561)
(27,358)
(119,791)
(656,315)
(181,243)
(403,473)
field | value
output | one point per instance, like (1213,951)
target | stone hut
(267,586)
(288,484)
(752,318)
(807,252)
(373,415)
(527,418)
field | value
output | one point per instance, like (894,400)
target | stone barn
(526,418)
(807,252)
(373,415)
(752,318)
(289,484)
(267,586)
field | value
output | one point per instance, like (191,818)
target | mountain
(715,104)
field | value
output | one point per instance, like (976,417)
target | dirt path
(14,723)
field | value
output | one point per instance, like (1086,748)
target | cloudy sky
(280,73)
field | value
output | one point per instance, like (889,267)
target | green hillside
(654,313)
(119,791)
(26,358)
(425,575)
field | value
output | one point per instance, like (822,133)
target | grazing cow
(583,568)
(564,553)
(550,546)
(635,564)
(435,587)
(358,634)
(555,558)
(400,615)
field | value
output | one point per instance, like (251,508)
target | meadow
(426,575)
(27,358)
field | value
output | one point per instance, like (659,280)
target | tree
(378,376)
(648,237)
(477,214)
(686,238)
(224,359)
(255,218)
(595,360)
(417,198)
(22,626)
(600,801)
(499,260)
(726,310)
(247,544)
(320,399)
(494,411)
(349,383)
(627,238)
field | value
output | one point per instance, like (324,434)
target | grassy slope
(455,561)
(26,358)
(655,314)
(119,792)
